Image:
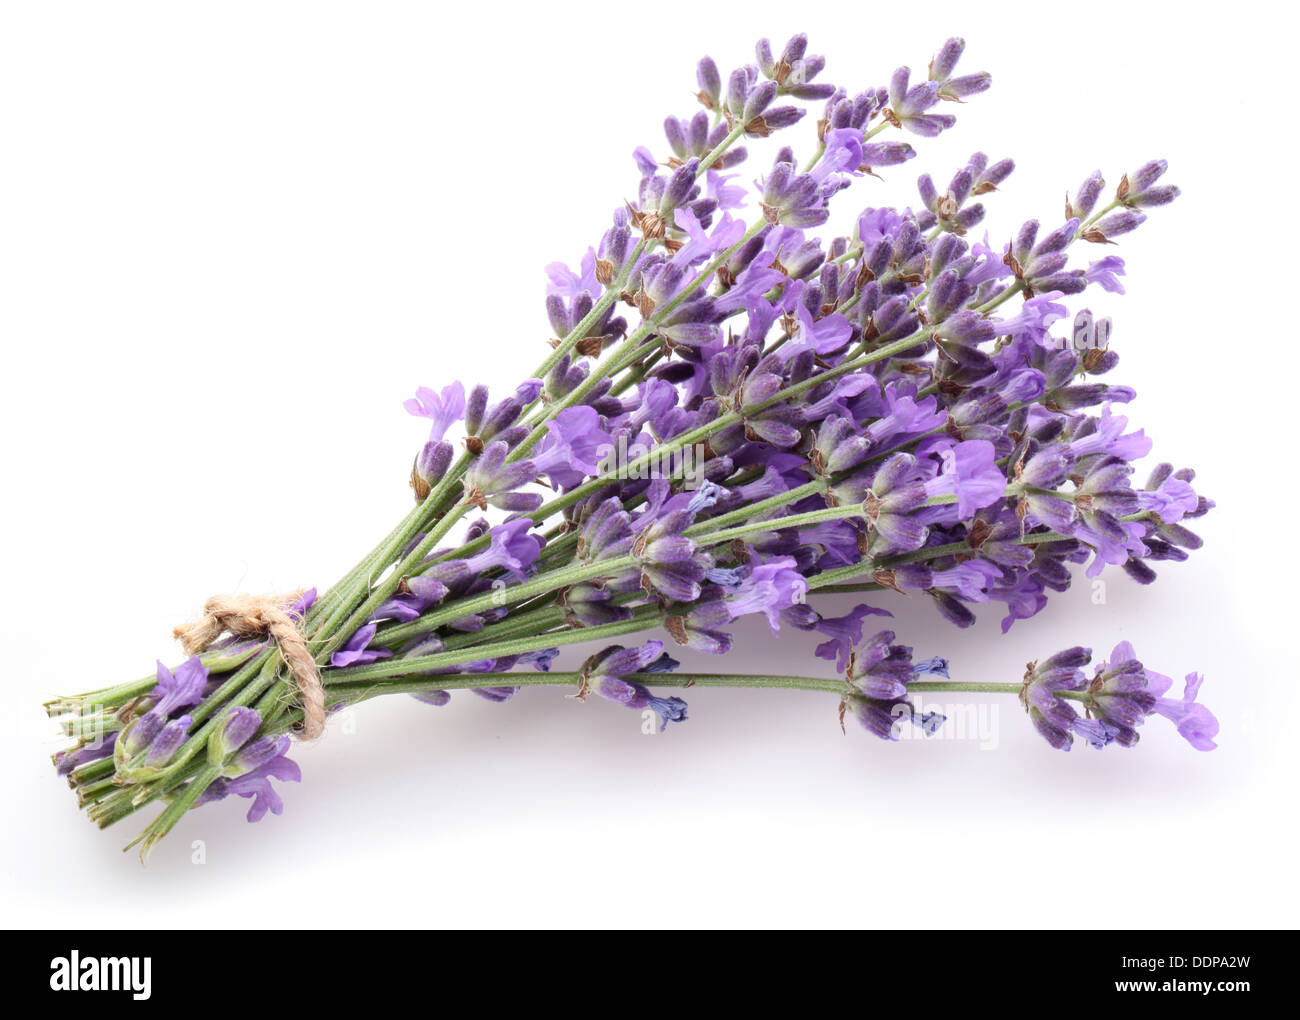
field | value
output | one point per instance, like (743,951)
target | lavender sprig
(770,417)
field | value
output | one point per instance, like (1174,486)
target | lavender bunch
(734,415)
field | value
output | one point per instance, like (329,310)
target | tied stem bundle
(251,616)
(734,418)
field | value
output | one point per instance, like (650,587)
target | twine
(254,616)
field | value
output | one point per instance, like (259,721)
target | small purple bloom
(167,742)
(1196,723)
(608,668)
(767,589)
(568,284)
(970,471)
(233,732)
(512,548)
(442,409)
(573,447)
(845,633)
(180,689)
(908,105)
(356,650)
(257,784)
(67,761)
(491,480)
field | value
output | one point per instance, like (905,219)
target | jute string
(255,616)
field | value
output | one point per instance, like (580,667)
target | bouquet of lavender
(770,416)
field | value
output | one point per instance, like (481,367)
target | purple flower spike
(1124,693)
(879,671)
(941,71)
(793,199)
(1119,698)
(1053,716)
(1140,188)
(895,492)
(670,563)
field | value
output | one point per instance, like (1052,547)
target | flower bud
(232,733)
(142,732)
(710,82)
(167,742)
(430,465)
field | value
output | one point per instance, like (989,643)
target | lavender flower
(608,669)
(735,415)
(908,105)
(492,481)
(845,634)
(969,472)
(180,689)
(768,588)
(255,784)
(167,742)
(941,71)
(878,673)
(442,409)
(356,651)
(1119,698)
(1124,693)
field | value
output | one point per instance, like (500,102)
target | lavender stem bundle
(735,418)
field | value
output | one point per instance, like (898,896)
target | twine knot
(255,616)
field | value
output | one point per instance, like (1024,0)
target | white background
(233,237)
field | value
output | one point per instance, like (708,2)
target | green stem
(642,619)
(719,149)
(354,693)
(385,590)
(1113,205)
(953,687)
(551,581)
